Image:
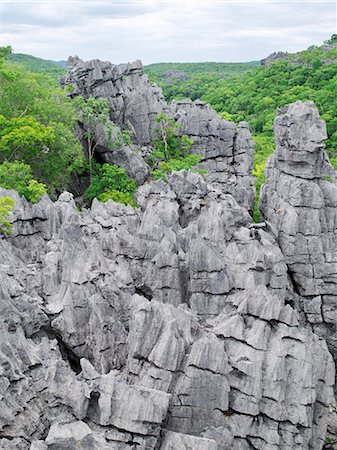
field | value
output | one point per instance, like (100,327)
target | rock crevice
(227,151)
(175,325)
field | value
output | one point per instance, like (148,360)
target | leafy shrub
(167,167)
(127,137)
(171,152)
(111,182)
(18,176)
(119,197)
(93,112)
(328,440)
(24,137)
(6,207)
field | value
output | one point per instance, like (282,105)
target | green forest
(38,65)
(255,94)
(38,143)
(191,80)
(39,151)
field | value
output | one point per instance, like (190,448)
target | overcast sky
(156,31)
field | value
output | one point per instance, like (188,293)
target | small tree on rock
(93,112)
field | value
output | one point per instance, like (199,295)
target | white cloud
(171,30)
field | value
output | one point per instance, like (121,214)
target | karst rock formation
(228,151)
(180,324)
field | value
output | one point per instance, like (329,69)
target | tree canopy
(37,125)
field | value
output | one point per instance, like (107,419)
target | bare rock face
(170,326)
(227,150)
(300,200)
(274,57)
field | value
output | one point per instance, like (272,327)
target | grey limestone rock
(300,200)
(174,441)
(169,326)
(274,57)
(227,151)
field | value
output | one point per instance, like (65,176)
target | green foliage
(37,65)
(24,138)
(332,40)
(175,165)
(119,197)
(255,95)
(111,182)
(5,52)
(36,191)
(6,207)
(333,160)
(328,440)
(169,145)
(38,125)
(126,136)
(18,176)
(171,152)
(93,112)
(264,147)
(199,76)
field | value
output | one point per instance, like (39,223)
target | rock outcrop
(274,57)
(227,150)
(179,324)
(176,325)
(175,75)
(299,200)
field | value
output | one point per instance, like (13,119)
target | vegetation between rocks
(39,147)
(6,207)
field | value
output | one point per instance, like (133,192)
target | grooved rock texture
(227,150)
(299,200)
(172,326)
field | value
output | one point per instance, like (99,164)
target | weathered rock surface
(177,325)
(300,200)
(170,75)
(227,150)
(274,57)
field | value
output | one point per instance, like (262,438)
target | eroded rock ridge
(227,150)
(179,324)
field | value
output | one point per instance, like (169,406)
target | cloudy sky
(172,30)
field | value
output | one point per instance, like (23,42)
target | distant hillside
(38,65)
(282,79)
(220,68)
(179,80)
(326,54)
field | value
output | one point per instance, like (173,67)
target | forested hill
(54,69)
(255,96)
(181,80)
(221,68)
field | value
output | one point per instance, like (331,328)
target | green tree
(49,143)
(93,112)
(111,182)
(5,51)
(332,40)
(166,129)
(171,151)
(18,176)
(24,138)
(316,63)
(6,207)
